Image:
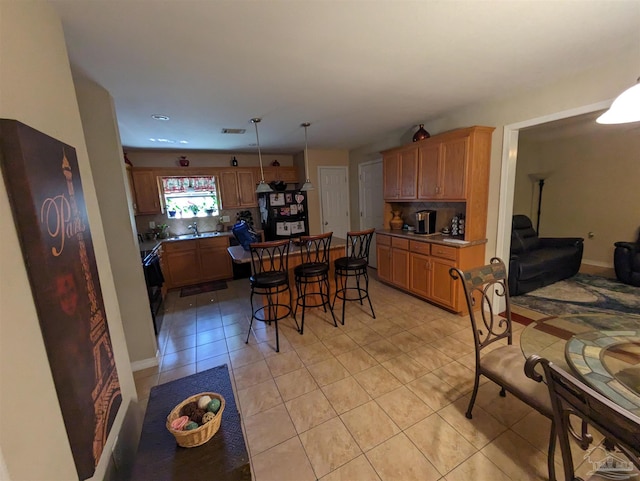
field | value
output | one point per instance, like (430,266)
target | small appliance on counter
(425,222)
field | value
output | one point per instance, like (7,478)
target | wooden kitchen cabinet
(182,263)
(285,174)
(146,192)
(191,261)
(215,263)
(400,174)
(443,170)
(237,188)
(422,268)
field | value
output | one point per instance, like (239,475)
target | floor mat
(203,287)
(223,457)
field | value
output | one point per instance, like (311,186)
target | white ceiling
(356,70)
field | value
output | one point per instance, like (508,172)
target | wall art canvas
(45,191)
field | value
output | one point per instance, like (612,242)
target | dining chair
(270,278)
(504,365)
(354,265)
(571,397)
(312,276)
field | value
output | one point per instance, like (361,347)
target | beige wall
(37,89)
(604,81)
(593,188)
(109,175)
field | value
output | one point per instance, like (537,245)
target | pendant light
(307,183)
(625,108)
(262,186)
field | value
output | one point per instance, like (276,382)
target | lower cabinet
(192,261)
(422,268)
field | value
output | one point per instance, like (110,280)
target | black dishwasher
(154,279)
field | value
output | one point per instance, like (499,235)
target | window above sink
(189,197)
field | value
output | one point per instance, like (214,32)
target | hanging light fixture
(307,183)
(262,186)
(625,108)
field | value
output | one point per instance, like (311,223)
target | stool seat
(311,269)
(354,266)
(269,279)
(348,263)
(312,276)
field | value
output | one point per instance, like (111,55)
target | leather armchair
(626,261)
(539,261)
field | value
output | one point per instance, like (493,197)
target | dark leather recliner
(539,261)
(626,260)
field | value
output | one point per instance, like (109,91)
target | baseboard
(145,363)
(607,265)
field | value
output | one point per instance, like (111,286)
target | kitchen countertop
(150,245)
(431,238)
(241,256)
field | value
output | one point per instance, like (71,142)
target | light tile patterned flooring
(375,399)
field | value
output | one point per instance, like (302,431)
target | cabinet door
(383,253)
(443,286)
(215,262)
(229,190)
(247,189)
(400,268)
(147,195)
(453,169)
(428,172)
(183,266)
(408,174)
(419,275)
(391,176)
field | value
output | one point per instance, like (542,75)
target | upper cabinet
(285,174)
(146,192)
(237,188)
(440,168)
(400,174)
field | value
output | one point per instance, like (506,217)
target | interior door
(334,192)
(371,205)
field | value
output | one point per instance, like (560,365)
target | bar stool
(355,264)
(270,265)
(313,273)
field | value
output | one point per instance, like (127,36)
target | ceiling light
(624,109)
(262,186)
(307,183)
(159,117)
(183,142)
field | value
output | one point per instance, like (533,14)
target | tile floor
(376,399)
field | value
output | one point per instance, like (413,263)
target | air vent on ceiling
(233,131)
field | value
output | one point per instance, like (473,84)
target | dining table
(601,349)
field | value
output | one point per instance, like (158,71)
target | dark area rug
(203,287)
(581,294)
(223,458)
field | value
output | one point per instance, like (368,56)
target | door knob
(326,223)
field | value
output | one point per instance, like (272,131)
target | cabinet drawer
(445,252)
(179,246)
(214,242)
(398,243)
(420,247)
(383,240)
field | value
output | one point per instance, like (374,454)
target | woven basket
(198,436)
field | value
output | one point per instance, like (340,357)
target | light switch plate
(225,218)
(152,225)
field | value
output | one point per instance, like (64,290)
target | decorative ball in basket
(196,419)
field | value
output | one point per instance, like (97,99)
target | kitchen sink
(202,235)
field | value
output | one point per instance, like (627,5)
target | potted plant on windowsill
(172,208)
(209,205)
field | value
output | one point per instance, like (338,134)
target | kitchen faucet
(194,227)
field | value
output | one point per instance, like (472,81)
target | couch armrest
(632,246)
(560,241)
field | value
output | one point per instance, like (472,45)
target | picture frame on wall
(45,192)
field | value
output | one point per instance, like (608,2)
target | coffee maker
(425,222)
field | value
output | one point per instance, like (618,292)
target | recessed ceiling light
(166,141)
(159,117)
(183,142)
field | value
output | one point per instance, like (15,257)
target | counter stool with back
(354,265)
(270,278)
(313,273)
